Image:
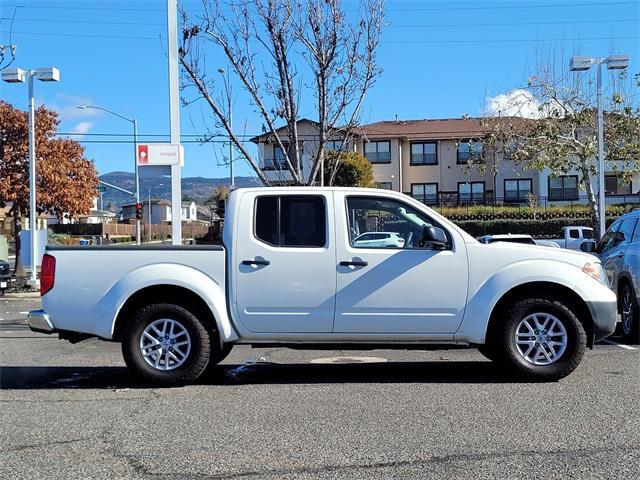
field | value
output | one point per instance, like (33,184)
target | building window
(384,185)
(425,192)
(278,161)
(517,190)
(615,185)
(378,152)
(564,187)
(424,153)
(469,149)
(471,192)
(291,221)
(335,145)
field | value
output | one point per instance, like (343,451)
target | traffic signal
(138,211)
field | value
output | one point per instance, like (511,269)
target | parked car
(379,239)
(573,237)
(619,251)
(516,238)
(289,273)
(5,276)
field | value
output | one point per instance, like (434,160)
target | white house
(160,211)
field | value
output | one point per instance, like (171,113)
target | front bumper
(40,322)
(605,316)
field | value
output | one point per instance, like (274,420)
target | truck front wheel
(541,338)
(166,344)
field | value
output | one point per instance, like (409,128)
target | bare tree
(552,124)
(273,47)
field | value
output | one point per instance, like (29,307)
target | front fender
(211,291)
(484,297)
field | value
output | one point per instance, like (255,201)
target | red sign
(143,154)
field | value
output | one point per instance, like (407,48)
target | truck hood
(518,252)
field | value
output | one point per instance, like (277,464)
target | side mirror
(434,236)
(588,246)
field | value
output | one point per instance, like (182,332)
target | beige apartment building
(427,159)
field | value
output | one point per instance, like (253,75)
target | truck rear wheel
(541,338)
(166,344)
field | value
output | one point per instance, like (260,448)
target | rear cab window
(291,220)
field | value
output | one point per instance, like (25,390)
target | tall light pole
(613,62)
(17,75)
(135,156)
(227,87)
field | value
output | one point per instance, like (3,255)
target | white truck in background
(291,273)
(573,237)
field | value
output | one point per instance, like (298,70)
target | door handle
(620,255)
(256,262)
(354,263)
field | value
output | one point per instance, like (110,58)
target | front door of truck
(412,288)
(284,261)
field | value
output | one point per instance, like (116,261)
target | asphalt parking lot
(72,411)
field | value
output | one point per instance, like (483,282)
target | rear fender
(208,289)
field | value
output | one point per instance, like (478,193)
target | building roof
(154,201)
(424,129)
(267,135)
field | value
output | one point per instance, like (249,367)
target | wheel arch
(547,289)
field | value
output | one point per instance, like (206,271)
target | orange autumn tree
(66,181)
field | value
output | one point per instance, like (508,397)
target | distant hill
(197,188)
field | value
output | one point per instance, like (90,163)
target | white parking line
(626,347)
(23,313)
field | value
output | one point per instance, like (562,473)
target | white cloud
(82,128)
(67,107)
(516,103)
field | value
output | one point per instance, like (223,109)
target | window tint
(623,236)
(574,233)
(291,221)
(392,224)
(267,219)
(608,238)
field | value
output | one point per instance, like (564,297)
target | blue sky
(441,59)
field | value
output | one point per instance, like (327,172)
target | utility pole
(174,120)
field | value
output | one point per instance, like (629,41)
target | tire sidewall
(200,344)
(633,331)
(575,338)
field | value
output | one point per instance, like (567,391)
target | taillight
(47,273)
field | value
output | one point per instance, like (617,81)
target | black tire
(218,355)
(505,334)
(196,360)
(488,352)
(630,325)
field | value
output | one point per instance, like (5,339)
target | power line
(392,25)
(438,41)
(412,9)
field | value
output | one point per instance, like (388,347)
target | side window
(608,238)
(623,236)
(573,233)
(291,220)
(392,223)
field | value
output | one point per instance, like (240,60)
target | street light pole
(135,157)
(227,87)
(601,188)
(33,281)
(580,64)
(17,75)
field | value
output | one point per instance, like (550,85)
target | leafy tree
(219,195)
(552,124)
(66,181)
(348,169)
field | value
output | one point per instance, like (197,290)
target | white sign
(160,154)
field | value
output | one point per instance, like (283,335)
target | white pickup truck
(289,273)
(572,237)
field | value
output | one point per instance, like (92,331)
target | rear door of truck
(284,262)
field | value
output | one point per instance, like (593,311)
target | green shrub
(535,228)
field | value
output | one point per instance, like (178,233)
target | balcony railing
(448,200)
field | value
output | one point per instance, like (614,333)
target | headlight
(596,271)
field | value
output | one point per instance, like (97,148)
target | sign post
(174,120)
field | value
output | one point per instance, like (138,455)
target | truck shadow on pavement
(63,378)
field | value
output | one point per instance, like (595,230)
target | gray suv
(619,251)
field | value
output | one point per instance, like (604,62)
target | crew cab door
(283,262)
(613,248)
(411,289)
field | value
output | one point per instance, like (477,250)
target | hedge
(535,228)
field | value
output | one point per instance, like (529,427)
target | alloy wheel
(165,344)
(541,338)
(627,312)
